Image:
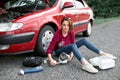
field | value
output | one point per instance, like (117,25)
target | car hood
(2,2)
(23,9)
(9,14)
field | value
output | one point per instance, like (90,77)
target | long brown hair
(70,23)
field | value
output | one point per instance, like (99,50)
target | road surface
(105,36)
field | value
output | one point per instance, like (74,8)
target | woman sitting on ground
(64,41)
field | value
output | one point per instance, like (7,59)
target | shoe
(109,56)
(89,68)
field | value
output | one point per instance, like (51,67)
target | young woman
(64,41)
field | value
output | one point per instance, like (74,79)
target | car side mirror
(67,5)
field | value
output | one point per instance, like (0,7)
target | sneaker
(107,55)
(89,68)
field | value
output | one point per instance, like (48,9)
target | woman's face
(65,26)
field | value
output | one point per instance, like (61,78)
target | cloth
(59,40)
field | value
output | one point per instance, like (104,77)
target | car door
(83,16)
(69,12)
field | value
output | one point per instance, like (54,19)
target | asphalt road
(105,37)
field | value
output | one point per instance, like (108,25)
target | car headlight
(10,26)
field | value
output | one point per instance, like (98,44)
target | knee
(84,39)
(81,41)
(73,46)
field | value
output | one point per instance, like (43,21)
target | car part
(87,33)
(45,36)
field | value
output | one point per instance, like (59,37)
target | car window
(40,3)
(63,1)
(52,2)
(79,4)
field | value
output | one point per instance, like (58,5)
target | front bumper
(16,38)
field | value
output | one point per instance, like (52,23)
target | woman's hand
(53,62)
(70,57)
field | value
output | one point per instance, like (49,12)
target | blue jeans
(74,48)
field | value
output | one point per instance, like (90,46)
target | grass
(102,20)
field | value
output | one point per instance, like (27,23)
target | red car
(29,25)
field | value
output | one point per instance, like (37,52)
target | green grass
(101,20)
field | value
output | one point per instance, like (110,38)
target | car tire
(45,36)
(88,31)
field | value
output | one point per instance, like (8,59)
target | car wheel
(45,37)
(88,31)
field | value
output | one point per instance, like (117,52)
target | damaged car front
(14,31)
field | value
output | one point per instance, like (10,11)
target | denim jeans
(74,48)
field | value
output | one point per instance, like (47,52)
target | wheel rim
(46,39)
(89,29)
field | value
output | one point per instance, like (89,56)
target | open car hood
(2,2)
(20,9)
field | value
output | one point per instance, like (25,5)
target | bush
(105,8)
